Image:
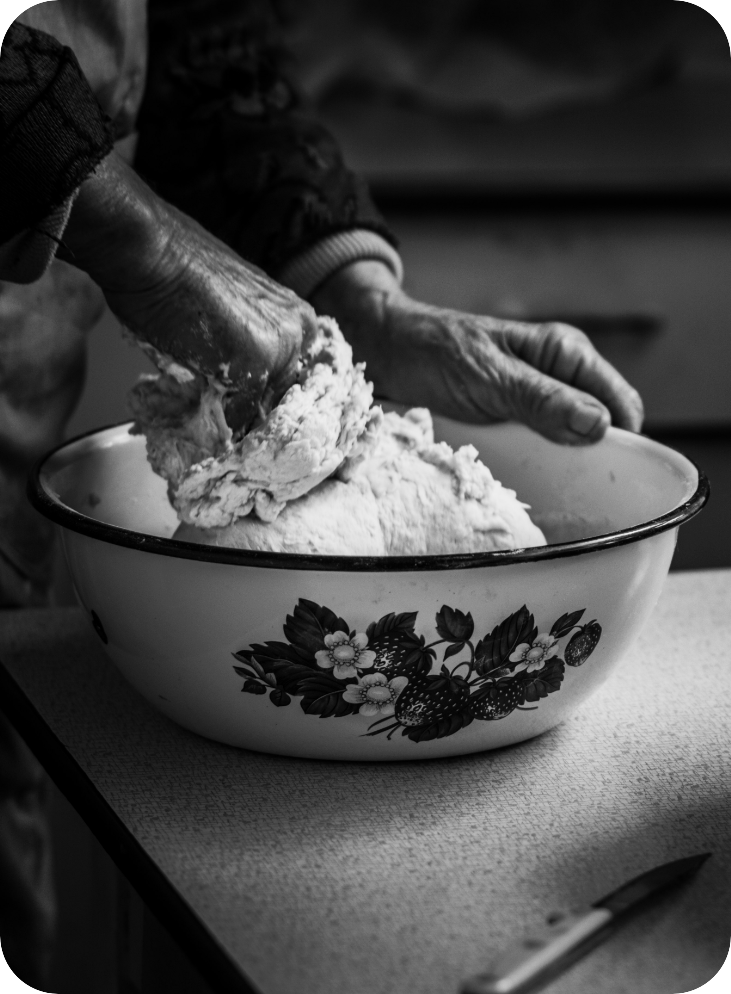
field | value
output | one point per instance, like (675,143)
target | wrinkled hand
(478,369)
(177,287)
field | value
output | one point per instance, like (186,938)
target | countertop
(281,874)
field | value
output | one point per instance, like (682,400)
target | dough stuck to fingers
(324,472)
(215,479)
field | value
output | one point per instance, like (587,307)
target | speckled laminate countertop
(371,879)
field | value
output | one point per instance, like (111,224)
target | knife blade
(542,954)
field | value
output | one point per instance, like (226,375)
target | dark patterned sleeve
(52,130)
(224,137)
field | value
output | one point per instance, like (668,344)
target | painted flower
(345,655)
(532,656)
(375,694)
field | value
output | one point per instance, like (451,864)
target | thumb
(552,408)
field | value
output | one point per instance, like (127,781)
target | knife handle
(523,962)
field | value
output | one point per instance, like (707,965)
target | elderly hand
(474,368)
(177,287)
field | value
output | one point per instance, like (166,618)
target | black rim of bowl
(75,521)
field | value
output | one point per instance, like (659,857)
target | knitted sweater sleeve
(224,136)
(52,130)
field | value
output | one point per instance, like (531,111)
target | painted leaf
(565,623)
(494,650)
(276,650)
(391,623)
(544,682)
(308,625)
(288,675)
(453,649)
(445,682)
(453,625)
(323,696)
(252,685)
(287,664)
(256,667)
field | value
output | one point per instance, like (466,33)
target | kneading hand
(474,368)
(177,287)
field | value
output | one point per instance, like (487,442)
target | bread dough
(215,479)
(325,472)
(399,494)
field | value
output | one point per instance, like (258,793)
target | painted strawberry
(428,699)
(389,650)
(399,650)
(401,654)
(497,701)
(583,643)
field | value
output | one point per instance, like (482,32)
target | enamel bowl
(376,658)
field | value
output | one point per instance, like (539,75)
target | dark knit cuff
(52,131)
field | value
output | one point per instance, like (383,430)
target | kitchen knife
(542,954)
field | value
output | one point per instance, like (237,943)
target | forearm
(181,290)
(118,229)
(119,233)
(169,281)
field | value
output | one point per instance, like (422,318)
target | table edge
(163,899)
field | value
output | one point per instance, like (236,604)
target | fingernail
(586,419)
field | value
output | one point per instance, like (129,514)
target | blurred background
(538,159)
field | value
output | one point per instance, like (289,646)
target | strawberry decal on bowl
(390,676)
(583,643)
(433,706)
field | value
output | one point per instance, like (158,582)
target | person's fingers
(243,410)
(567,355)
(269,361)
(552,408)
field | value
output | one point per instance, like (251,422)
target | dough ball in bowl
(400,494)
